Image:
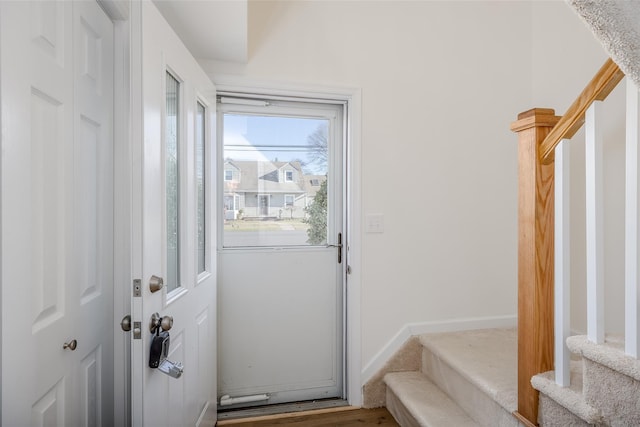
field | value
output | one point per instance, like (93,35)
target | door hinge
(137,288)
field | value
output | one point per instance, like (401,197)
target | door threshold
(282,409)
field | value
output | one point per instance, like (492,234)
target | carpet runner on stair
(422,402)
(604,391)
(466,378)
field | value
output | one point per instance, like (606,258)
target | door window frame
(209,194)
(181,140)
(294,107)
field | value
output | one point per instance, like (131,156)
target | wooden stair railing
(539,132)
(598,89)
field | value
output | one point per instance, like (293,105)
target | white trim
(353,280)
(200,101)
(239,85)
(412,329)
(122,223)
(351,97)
(118,12)
(136,152)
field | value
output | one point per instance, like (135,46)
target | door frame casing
(351,98)
(120,14)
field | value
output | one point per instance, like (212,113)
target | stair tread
(425,402)
(486,358)
(610,354)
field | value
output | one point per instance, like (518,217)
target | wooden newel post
(535,257)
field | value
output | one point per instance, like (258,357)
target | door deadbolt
(155,283)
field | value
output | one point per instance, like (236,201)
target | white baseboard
(411,329)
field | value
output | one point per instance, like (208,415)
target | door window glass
(201,186)
(274,179)
(172,181)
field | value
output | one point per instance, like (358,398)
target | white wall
(441,82)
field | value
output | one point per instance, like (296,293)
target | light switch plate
(375,223)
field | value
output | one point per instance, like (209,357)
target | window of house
(315,182)
(288,200)
(228,175)
(288,176)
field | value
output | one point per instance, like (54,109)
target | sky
(263,138)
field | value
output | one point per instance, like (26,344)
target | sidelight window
(172,181)
(201,185)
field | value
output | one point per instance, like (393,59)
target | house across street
(267,190)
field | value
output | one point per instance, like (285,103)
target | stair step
(611,379)
(478,369)
(570,400)
(414,400)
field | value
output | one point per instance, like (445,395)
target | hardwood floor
(345,416)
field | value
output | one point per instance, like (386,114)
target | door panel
(57,198)
(281,280)
(291,322)
(173,122)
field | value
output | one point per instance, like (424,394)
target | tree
(317,217)
(318,150)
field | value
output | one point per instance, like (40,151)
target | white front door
(56,86)
(173,226)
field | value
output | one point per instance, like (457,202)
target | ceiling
(211,29)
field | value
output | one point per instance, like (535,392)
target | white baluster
(632,215)
(594,221)
(562,297)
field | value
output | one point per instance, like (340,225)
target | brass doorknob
(71,345)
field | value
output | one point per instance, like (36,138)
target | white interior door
(57,214)
(174,226)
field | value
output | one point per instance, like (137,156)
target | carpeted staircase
(468,378)
(465,378)
(616,24)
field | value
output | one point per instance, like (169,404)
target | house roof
(264,177)
(312,183)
